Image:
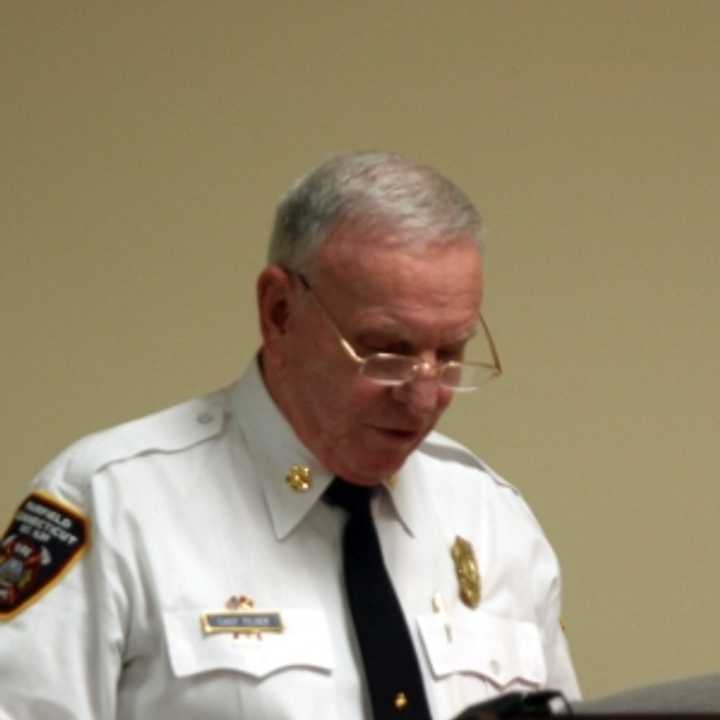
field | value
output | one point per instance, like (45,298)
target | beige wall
(144,146)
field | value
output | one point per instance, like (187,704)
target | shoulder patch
(44,540)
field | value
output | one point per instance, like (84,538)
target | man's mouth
(399,434)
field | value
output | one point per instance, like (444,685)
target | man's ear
(273,290)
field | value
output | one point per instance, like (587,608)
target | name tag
(247,622)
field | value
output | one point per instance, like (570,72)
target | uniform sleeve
(547,590)
(61,607)
(560,671)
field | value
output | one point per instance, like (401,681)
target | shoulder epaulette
(443,447)
(168,430)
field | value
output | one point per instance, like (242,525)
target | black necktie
(391,666)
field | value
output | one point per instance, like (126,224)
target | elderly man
(301,544)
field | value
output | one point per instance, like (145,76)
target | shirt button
(495,666)
(205,418)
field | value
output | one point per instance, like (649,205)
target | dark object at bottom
(515,705)
(695,698)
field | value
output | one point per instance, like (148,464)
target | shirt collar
(403,490)
(275,449)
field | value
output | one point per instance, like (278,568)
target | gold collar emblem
(299,478)
(466,570)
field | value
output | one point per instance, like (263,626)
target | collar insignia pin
(299,478)
(466,570)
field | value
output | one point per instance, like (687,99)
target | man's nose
(420,393)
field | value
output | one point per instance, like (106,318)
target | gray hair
(367,191)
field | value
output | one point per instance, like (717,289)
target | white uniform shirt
(190,507)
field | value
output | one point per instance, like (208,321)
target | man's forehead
(374,262)
(390,293)
(387,331)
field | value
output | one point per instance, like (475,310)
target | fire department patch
(44,539)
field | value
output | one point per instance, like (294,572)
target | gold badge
(299,478)
(466,570)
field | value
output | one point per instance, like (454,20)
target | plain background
(144,145)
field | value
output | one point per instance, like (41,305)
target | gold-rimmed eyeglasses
(393,369)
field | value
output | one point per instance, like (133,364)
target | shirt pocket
(303,644)
(483,655)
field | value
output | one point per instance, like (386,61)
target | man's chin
(372,468)
(381,454)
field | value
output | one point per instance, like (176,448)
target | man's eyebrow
(383,335)
(396,334)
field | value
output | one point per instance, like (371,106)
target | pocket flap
(497,649)
(304,642)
